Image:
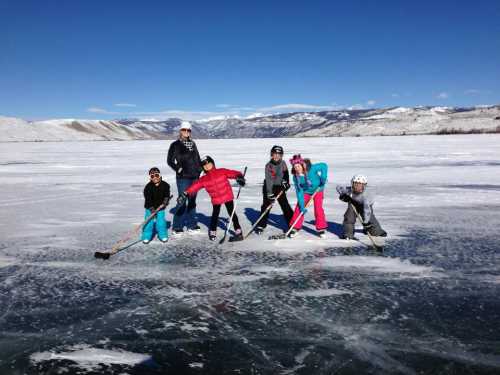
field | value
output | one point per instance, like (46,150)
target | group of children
(309,181)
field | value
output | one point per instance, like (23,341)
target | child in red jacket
(216,183)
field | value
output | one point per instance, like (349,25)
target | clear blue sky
(108,59)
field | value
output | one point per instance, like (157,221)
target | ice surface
(428,304)
(91,359)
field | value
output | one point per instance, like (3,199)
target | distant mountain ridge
(362,122)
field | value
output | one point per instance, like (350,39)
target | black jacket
(185,162)
(154,195)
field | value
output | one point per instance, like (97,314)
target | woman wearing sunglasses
(184,159)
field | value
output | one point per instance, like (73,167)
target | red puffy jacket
(217,184)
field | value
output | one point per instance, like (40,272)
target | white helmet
(185,125)
(359,178)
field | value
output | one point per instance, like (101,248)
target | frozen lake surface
(429,305)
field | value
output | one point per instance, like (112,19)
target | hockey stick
(268,208)
(285,235)
(375,246)
(116,248)
(232,213)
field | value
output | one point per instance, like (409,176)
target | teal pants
(156,225)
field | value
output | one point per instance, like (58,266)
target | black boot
(238,236)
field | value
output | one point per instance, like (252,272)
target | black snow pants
(283,202)
(350,220)
(215,216)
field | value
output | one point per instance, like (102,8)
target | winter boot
(212,235)
(145,242)
(259,230)
(238,236)
(293,233)
(348,238)
(195,229)
(322,233)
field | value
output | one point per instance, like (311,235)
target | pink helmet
(296,159)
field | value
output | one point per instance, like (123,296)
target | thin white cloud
(225,105)
(187,115)
(126,105)
(442,95)
(355,107)
(371,102)
(101,111)
(244,109)
(298,107)
(475,92)
(395,95)
(472,92)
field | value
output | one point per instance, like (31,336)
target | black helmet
(154,170)
(207,159)
(277,150)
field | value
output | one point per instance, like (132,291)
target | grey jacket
(365,199)
(275,175)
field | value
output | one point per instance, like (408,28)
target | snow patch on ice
(6,261)
(243,278)
(378,265)
(491,279)
(187,327)
(90,359)
(196,365)
(322,292)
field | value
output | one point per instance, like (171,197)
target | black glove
(271,197)
(151,209)
(367,227)
(285,184)
(181,199)
(346,198)
(240,180)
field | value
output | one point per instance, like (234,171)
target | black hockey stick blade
(277,237)
(100,255)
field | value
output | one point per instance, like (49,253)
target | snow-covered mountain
(388,121)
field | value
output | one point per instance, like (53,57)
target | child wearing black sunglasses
(156,194)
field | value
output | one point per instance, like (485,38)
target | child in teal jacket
(308,179)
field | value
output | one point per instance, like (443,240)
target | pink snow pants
(319,212)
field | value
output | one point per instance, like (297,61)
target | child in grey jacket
(362,199)
(277,180)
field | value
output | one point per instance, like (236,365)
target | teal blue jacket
(314,180)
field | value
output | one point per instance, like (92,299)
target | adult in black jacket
(184,159)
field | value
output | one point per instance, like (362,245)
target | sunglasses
(157,175)
(186,130)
